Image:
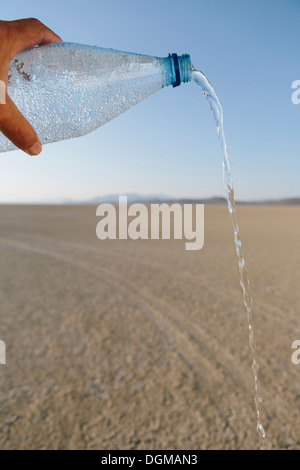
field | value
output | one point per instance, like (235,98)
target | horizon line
(139,198)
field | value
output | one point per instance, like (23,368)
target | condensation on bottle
(66,90)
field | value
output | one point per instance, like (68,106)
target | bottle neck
(181,69)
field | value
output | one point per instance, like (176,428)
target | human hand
(15,36)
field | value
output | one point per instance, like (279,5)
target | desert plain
(122,344)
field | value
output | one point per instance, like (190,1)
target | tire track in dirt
(189,342)
(192,343)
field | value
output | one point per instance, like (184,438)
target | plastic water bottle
(67,90)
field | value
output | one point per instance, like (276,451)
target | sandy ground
(141,344)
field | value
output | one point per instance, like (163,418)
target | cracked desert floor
(141,344)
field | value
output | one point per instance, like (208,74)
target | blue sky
(168,143)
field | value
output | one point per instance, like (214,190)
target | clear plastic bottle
(67,90)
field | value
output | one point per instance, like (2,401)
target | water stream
(217,111)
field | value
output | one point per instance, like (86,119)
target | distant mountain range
(131,198)
(160,198)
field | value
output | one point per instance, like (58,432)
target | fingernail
(36,148)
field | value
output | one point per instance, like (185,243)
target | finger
(17,129)
(27,33)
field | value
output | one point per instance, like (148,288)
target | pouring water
(217,111)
